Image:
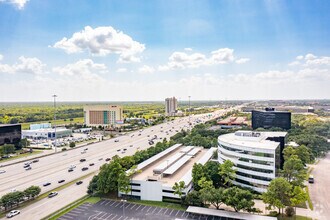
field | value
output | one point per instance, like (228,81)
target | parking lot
(117,210)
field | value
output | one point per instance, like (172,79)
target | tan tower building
(171,106)
(104,115)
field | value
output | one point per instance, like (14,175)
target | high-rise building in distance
(10,134)
(171,106)
(103,115)
(269,118)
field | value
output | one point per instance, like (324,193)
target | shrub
(64,149)
(72,144)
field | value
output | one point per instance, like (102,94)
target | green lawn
(21,156)
(26,126)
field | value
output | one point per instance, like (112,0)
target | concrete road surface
(319,190)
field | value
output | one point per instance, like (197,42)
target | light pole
(189,109)
(123,200)
(54,96)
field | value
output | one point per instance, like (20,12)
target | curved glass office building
(257,156)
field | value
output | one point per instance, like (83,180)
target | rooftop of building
(48,129)
(8,125)
(173,157)
(254,139)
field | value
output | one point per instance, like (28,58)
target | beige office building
(171,106)
(104,115)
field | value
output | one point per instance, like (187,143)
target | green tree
(133,171)
(239,199)
(298,196)
(227,172)
(193,198)
(124,183)
(108,177)
(304,154)
(216,197)
(278,194)
(178,188)
(32,191)
(288,152)
(93,187)
(294,171)
(24,142)
(197,174)
(72,144)
(8,149)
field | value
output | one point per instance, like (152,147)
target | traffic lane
(48,206)
(158,128)
(319,189)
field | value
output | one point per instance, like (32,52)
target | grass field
(21,156)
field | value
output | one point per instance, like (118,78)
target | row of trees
(7,149)
(113,176)
(13,199)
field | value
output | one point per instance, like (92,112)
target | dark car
(61,181)
(35,161)
(118,150)
(79,182)
(82,160)
(26,166)
(70,170)
(52,194)
(91,164)
(108,159)
(46,184)
(84,168)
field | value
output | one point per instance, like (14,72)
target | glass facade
(10,134)
(271,119)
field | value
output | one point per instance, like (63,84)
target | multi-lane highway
(55,167)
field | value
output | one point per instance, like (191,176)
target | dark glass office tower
(10,134)
(270,119)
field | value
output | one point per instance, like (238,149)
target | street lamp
(123,201)
(54,96)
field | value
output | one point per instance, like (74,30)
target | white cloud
(310,56)
(294,63)
(182,60)
(319,61)
(18,3)
(242,60)
(300,57)
(121,70)
(188,49)
(25,65)
(84,69)
(102,41)
(146,69)
(310,60)
(1,57)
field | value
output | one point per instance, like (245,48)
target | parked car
(82,160)
(61,181)
(79,182)
(46,184)
(52,194)
(108,159)
(84,168)
(12,213)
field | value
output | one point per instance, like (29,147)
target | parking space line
(120,217)
(154,210)
(105,214)
(143,208)
(183,214)
(160,210)
(138,207)
(118,204)
(96,216)
(187,214)
(171,211)
(133,206)
(177,212)
(108,216)
(107,202)
(113,217)
(149,208)
(103,201)
(65,216)
(111,203)
(71,214)
(126,218)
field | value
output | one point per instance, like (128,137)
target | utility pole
(189,109)
(54,96)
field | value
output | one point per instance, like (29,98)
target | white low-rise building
(46,133)
(257,156)
(160,172)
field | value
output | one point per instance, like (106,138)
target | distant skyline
(149,50)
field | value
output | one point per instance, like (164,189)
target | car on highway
(118,150)
(2,171)
(100,159)
(79,182)
(35,161)
(82,160)
(83,151)
(84,168)
(108,159)
(26,165)
(116,140)
(139,135)
(70,170)
(28,168)
(12,213)
(131,145)
(61,181)
(86,149)
(52,194)
(72,166)
(47,184)
(91,164)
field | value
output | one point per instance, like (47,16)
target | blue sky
(148,50)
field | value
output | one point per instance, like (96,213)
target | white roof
(194,151)
(161,167)
(252,139)
(145,163)
(187,149)
(172,169)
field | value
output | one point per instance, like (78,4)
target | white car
(72,166)
(12,213)
(2,171)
